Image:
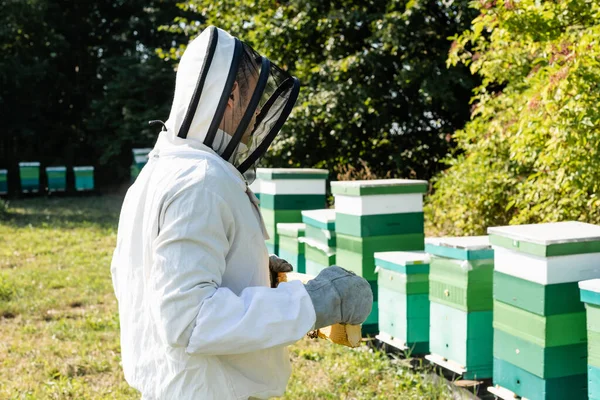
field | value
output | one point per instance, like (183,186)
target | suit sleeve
(191,308)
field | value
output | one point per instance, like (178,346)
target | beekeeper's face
(236,107)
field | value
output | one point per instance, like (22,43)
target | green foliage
(375,85)
(532,148)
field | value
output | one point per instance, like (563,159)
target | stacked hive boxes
(140,158)
(291,248)
(30,176)
(84,178)
(590,295)
(319,240)
(376,216)
(3,181)
(460,291)
(285,192)
(57,179)
(403,290)
(539,322)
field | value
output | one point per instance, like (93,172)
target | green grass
(59,336)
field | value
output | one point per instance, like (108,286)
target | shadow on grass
(64,212)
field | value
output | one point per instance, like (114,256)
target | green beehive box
(290,248)
(84,178)
(3,181)
(403,300)
(544,331)
(461,272)
(292,201)
(30,177)
(57,179)
(539,299)
(379,207)
(379,225)
(544,362)
(465,339)
(320,226)
(533,387)
(362,263)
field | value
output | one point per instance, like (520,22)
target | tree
(375,85)
(531,152)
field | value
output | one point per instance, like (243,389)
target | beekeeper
(191,272)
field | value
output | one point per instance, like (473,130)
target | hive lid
(403,258)
(322,219)
(379,186)
(3,171)
(29,164)
(84,168)
(143,151)
(291,173)
(460,248)
(291,229)
(549,239)
(56,169)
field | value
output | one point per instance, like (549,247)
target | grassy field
(59,328)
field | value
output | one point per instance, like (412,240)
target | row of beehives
(505,306)
(30,175)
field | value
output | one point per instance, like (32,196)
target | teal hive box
(285,192)
(3,181)
(462,338)
(532,387)
(30,177)
(140,158)
(290,247)
(403,287)
(590,295)
(84,178)
(320,226)
(57,179)
(540,340)
(460,291)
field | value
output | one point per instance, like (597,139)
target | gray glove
(277,265)
(339,296)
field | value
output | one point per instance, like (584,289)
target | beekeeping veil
(212,67)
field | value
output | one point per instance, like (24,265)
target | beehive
(540,341)
(403,300)
(460,292)
(30,177)
(376,216)
(285,192)
(84,178)
(3,181)
(57,179)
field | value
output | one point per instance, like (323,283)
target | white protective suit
(190,270)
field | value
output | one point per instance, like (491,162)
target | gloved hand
(277,265)
(340,297)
